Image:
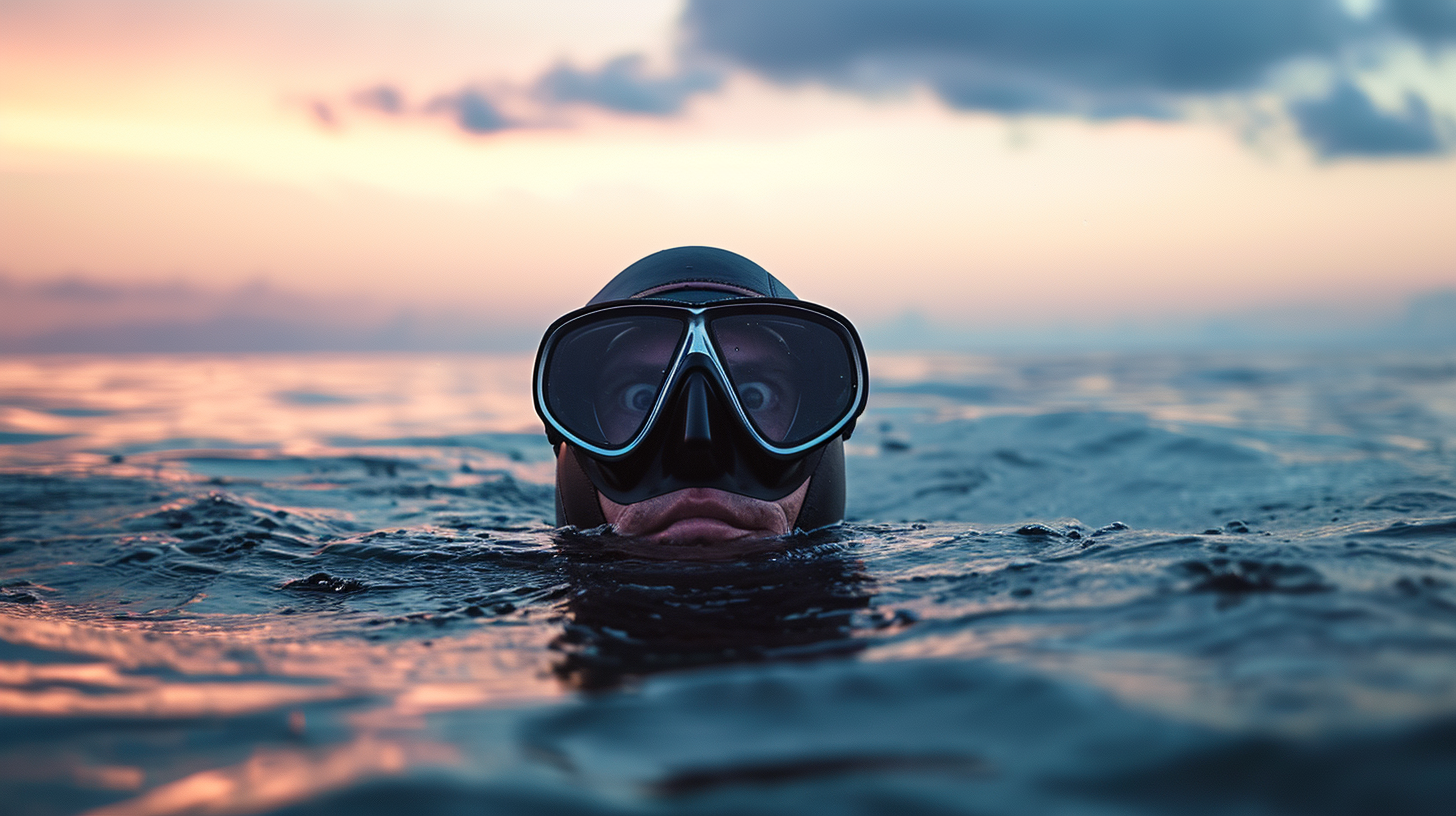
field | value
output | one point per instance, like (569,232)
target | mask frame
(697,432)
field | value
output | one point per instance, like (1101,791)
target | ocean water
(1112,584)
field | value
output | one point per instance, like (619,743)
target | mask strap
(824,500)
(576,496)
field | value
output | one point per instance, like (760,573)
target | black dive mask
(740,395)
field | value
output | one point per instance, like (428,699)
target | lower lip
(701,529)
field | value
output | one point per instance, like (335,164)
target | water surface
(1097,584)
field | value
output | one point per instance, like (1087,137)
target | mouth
(698,515)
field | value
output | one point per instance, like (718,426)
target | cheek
(610,509)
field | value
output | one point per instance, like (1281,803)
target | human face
(635,367)
(791,373)
(768,383)
(728,405)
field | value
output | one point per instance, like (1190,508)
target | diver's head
(695,397)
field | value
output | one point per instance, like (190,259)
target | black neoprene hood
(695,275)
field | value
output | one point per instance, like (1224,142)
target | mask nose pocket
(704,450)
(697,424)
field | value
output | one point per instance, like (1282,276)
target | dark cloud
(1108,59)
(1099,60)
(1022,55)
(1347,123)
(623,85)
(473,111)
(1430,21)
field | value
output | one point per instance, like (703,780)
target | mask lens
(602,378)
(794,376)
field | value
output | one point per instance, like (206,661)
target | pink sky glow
(211,145)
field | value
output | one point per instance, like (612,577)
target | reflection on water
(630,618)
(149,409)
(272,778)
(314,584)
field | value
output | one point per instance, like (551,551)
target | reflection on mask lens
(603,378)
(794,373)
(794,377)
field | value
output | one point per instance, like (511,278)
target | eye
(639,397)
(756,396)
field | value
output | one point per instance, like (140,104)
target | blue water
(1095,584)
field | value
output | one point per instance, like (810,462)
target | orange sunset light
(420,154)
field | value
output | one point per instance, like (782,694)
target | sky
(448,172)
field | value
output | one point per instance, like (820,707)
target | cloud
(473,111)
(323,114)
(623,85)
(75,313)
(1021,55)
(620,85)
(385,99)
(1347,123)
(1430,21)
(1108,59)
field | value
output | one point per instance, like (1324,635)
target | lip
(701,514)
(699,529)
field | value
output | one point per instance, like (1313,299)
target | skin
(703,522)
